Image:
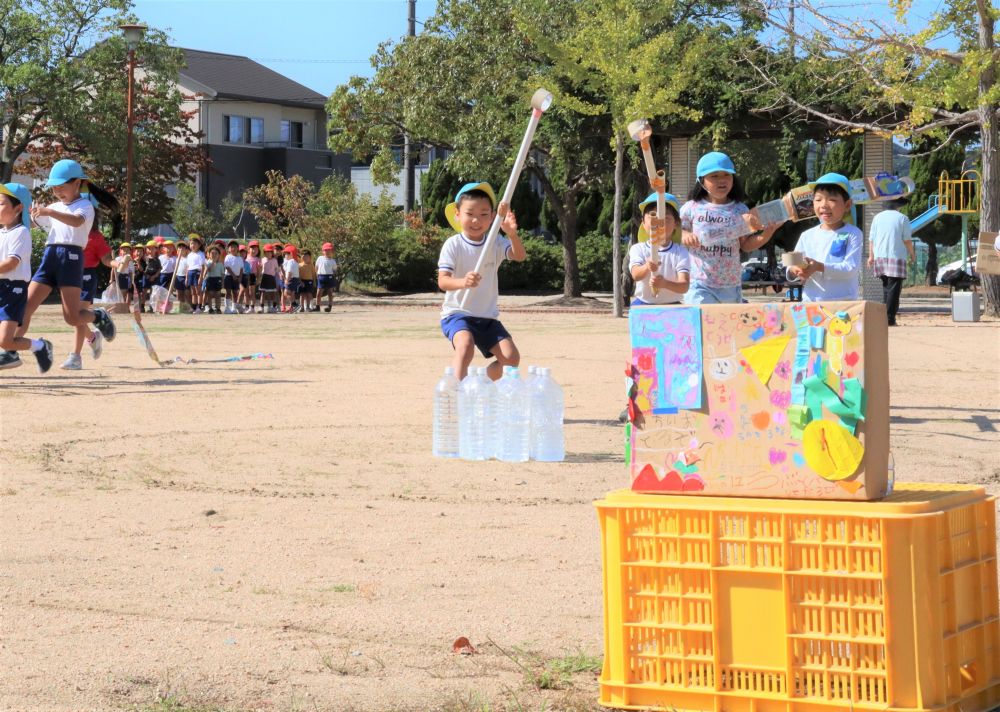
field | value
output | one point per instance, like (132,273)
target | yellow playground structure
(955,196)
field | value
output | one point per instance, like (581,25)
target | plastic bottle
(514,410)
(445,442)
(547,444)
(494,436)
(475,415)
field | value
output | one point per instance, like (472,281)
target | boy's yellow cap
(451,210)
(670,200)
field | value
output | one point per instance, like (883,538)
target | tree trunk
(616,232)
(569,227)
(930,270)
(989,190)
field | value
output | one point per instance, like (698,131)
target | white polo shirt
(673,261)
(459,255)
(62,234)
(16,242)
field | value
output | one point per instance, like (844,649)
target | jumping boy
(833,248)
(476,324)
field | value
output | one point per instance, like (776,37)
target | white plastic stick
(540,101)
(640,131)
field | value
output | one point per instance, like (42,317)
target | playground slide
(925,218)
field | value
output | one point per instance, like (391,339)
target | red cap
(268,247)
(289,248)
(159,240)
(253,243)
(327,245)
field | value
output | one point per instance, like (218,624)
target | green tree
(189,214)
(280,205)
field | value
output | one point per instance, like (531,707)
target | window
(291,133)
(256,130)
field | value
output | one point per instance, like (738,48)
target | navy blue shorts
(213,284)
(180,284)
(164,279)
(193,278)
(232,282)
(293,285)
(306,287)
(268,283)
(244,280)
(88,290)
(325,281)
(62,266)
(487,333)
(252,278)
(124,283)
(13,300)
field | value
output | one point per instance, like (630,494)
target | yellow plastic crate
(766,605)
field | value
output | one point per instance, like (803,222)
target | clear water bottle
(514,421)
(495,434)
(445,442)
(547,443)
(474,415)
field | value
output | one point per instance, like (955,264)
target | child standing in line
(123,267)
(307,287)
(476,324)
(97,252)
(670,279)
(253,264)
(195,266)
(234,273)
(241,296)
(15,271)
(269,281)
(290,269)
(68,221)
(213,271)
(715,223)
(168,263)
(151,273)
(183,250)
(326,274)
(833,248)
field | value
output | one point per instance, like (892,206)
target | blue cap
(713,163)
(22,195)
(833,179)
(64,171)
(451,209)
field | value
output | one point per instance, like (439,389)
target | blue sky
(318,43)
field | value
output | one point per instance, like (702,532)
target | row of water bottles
(512,420)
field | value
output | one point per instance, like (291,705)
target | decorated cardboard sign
(762,400)
(987,257)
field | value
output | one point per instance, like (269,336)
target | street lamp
(133,35)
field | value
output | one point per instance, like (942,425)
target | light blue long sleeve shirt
(840,252)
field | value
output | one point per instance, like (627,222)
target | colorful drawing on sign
(673,336)
(784,410)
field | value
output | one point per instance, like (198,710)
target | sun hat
(152,243)
(168,243)
(253,243)
(181,243)
(833,179)
(289,248)
(714,162)
(64,171)
(327,246)
(21,194)
(451,209)
(670,199)
(268,247)
(124,245)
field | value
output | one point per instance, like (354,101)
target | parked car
(755,270)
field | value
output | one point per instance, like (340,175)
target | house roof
(231,76)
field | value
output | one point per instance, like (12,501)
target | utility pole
(409,175)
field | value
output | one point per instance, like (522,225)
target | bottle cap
(449,371)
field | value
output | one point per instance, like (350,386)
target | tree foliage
(280,205)
(189,214)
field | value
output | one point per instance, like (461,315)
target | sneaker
(9,359)
(97,345)
(327,309)
(105,325)
(44,356)
(73,362)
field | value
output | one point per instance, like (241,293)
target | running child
(97,252)
(195,265)
(307,286)
(15,271)
(326,275)
(833,248)
(714,222)
(290,269)
(476,325)
(269,281)
(670,278)
(212,272)
(68,222)
(233,264)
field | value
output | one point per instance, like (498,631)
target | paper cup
(793,259)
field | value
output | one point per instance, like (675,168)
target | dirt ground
(275,535)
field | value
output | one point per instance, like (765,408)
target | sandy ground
(275,535)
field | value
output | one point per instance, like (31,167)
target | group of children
(702,267)
(228,278)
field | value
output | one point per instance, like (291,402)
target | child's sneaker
(327,309)
(9,359)
(73,362)
(97,344)
(44,356)
(105,325)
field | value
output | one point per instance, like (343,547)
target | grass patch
(341,588)
(542,673)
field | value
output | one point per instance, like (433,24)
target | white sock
(37,345)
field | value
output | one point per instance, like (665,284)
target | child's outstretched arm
(508,223)
(71,219)
(749,243)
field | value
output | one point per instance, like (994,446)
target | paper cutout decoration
(850,408)
(763,357)
(798,419)
(831,451)
(673,336)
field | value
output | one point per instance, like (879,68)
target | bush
(542,271)
(593,252)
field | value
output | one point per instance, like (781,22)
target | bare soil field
(275,535)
